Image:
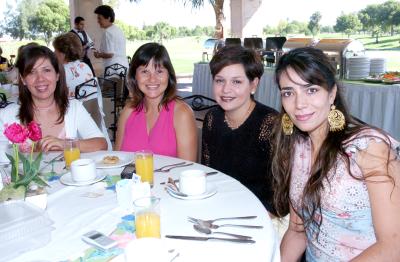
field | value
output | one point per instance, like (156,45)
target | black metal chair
(233,42)
(197,103)
(93,102)
(120,72)
(81,93)
(3,101)
(108,89)
(255,43)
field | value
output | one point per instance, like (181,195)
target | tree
(218,6)
(388,13)
(348,24)
(51,18)
(18,20)
(313,24)
(371,18)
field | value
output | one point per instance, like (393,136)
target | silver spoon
(208,231)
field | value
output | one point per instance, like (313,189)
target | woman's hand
(51,143)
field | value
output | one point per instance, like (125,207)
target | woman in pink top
(155,118)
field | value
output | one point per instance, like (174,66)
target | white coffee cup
(83,170)
(193,182)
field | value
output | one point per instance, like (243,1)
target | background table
(75,215)
(375,104)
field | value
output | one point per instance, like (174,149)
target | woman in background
(155,118)
(43,98)
(339,177)
(237,134)
(69,51)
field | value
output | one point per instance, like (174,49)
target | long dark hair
(142,57)
(313,66)
(27,58)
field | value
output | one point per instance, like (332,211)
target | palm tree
(218,6)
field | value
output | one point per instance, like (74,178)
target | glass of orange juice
(147,217)
(71,151)
(144,165)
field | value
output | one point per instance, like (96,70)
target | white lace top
(346,228)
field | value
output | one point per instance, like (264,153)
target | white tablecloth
(75,214)
(375,104)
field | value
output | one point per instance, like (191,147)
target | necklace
(38,108)
(235,125)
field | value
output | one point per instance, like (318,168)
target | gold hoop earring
(287,125)
(336,119)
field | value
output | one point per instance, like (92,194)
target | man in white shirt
(87,43)
(113,42)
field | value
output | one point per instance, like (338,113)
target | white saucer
(66,179)
(212,190)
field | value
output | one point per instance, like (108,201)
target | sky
(173,12)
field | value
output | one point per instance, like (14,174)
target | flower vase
(9,192)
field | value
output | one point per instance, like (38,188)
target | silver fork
(209,223)
(168,168)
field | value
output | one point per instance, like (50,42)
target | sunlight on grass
(186,51)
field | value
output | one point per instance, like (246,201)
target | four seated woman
(237,134)
(43,97)
(155,118)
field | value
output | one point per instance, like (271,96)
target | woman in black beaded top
(237,134)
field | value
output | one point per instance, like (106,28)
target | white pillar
(85,8)
(246,18)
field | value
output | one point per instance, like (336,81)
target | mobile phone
(99,240)
(128,171)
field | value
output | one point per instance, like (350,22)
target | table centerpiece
(23,139)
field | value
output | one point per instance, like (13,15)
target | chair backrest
(93,103)
(108,89)
(274,43)
(233,41)
(253,43)
(81,90)
(200,103)
(120,72)
(3,100)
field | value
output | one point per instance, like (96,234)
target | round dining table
(75,210)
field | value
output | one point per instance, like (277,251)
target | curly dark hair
(70,45)
(27,57)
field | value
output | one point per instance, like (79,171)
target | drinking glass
(147,217)
(71,151)
(144,165)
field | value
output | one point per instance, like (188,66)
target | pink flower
(35,133)
(16,133)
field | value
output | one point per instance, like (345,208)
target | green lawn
(184,52)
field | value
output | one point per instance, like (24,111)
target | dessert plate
(125,158)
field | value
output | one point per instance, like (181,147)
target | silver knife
(248,241)
(207,174)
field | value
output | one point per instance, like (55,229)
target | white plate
(66,179)
(212,190)
(124,159)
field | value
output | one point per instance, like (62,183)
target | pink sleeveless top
(161,139)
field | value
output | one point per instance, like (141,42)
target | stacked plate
(358,67)
(377,66)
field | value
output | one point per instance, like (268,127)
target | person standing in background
(113,42)
(87,43)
